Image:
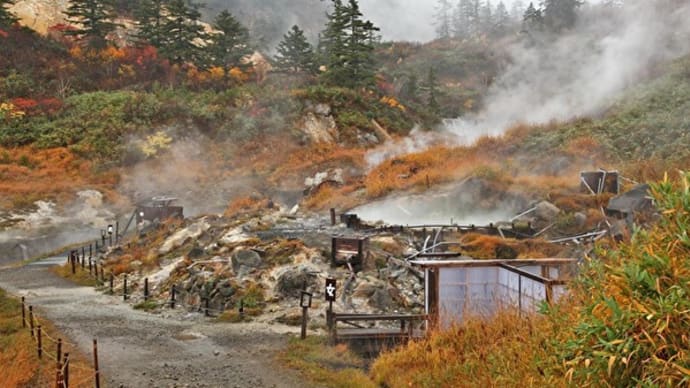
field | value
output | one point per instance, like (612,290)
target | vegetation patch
(325,365)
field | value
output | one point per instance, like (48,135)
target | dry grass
(505,352)
(80,276)
(21,366)
(28,174)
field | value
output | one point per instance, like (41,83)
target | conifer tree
(432,90)
(444,19)
(347,45)
(150,19)
(501,19)
(295,54)
(7,18)
(532,20)
(230,44)
(94,19)
(560,14)
(182,33)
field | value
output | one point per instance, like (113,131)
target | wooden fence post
(124,289)
(146,289)
(31,320)
(206,309)
(172,297)
(90,267)
(111,283)
(65,373)
(40,350)
(23,314)
(95,364)
(59,349)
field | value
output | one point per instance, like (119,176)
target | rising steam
(581,72)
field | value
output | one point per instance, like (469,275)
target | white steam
(581,72)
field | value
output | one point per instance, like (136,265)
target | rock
(364,290)
(182,236)
(196,252)
(322,109)
(226,291)
(246,258)
(235,236)
(319,128)
(546,211)
(334,176)
(292,279)
(580,219)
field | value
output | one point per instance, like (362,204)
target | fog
(582,72)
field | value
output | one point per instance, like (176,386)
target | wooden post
(206,307)
(59,350)
(74,269)
(172,297)
(83,251)
(117,231)
(102,277)
(305,317)
(124,289)
(332,216)
(96,245)
(83,265)
(329,315)
(65,373)
(31,320)
(146,289)
(111,284)
(38,336)
(59,382)
(241,307)
(23,314)
(90,267)
(90,251)
(95,364)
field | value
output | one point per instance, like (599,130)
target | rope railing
(61,354)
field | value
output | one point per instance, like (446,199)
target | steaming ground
(138,349)
(581,72)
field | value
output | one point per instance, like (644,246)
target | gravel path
(138,349)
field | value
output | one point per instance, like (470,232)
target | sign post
(330,298)
(305,303)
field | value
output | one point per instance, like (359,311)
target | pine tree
(150,19)
(560,14)
(444,21)
(347,44)
(230,44)
(432,90)
(7,18)
(532,20)
(94,18)
(182,33)
(486,17)
(501,19)
(460,20)
(295,54)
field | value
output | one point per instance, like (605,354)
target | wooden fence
(63,364)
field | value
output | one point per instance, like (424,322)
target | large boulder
(179,238)
(291,280)
(245,261)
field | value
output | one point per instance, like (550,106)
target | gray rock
(292,279)
(381,299)
(546,211)
(580,219)
(246,258)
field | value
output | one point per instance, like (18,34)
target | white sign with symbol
(330,290)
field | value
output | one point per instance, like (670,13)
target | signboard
(330,290)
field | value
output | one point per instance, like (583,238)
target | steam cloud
(581,72)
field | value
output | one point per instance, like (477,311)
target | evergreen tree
(410,89)
(348,45)
(460,20)
(517,10)
(501,19)
(532,20)
(150,19)
(230,44)
(560,14)
(486,17)
(295,54)
(7,18)
(444,21)
(432,90)
(94,18)
(182,33)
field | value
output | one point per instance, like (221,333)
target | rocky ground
(167,349)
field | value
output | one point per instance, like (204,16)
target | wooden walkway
(355,330)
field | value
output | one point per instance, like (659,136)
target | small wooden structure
(351,250)
(455,289)
(160,208)
(357,331)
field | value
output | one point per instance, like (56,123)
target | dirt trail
(138,349)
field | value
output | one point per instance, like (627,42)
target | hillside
(488,130)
